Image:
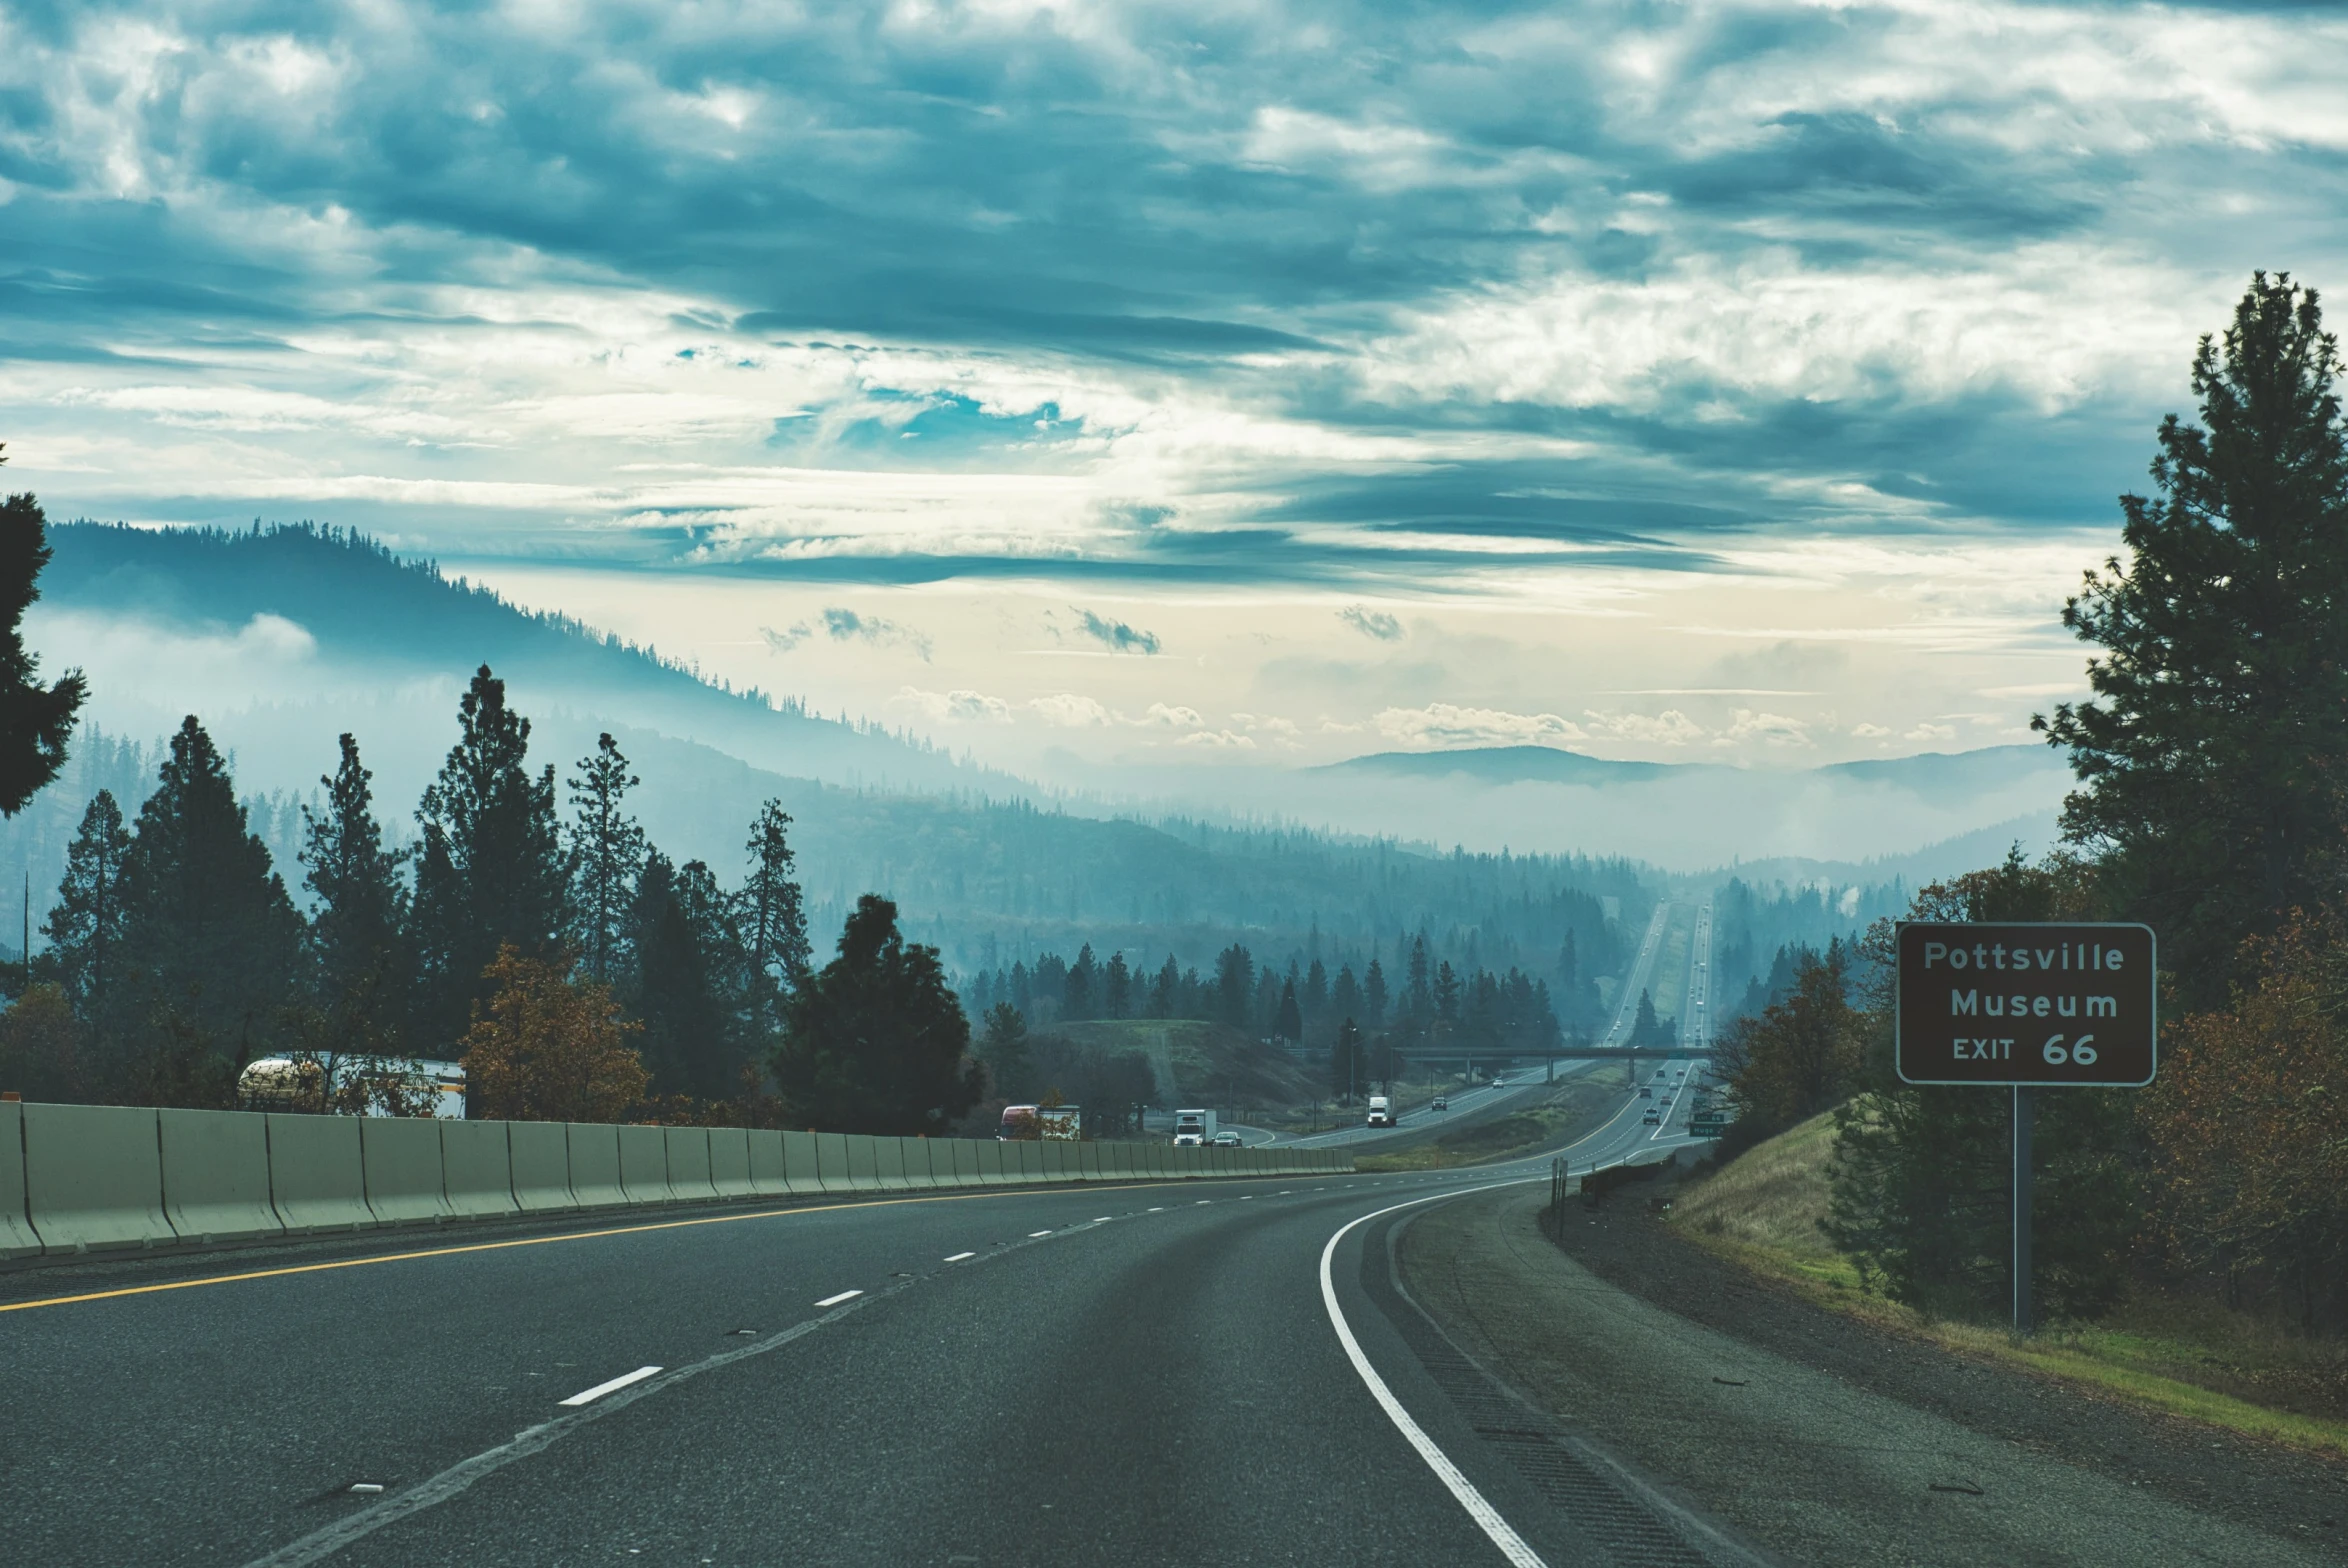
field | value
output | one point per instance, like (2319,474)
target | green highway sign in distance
(2069,1005)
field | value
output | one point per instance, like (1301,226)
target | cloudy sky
(1118,382)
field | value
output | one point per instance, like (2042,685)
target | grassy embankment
(2177,1354)
(1572,1105)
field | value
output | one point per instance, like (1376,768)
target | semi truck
(1381,1111)
(1193,1129)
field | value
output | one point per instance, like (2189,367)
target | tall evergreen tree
(1003,1048)
(1288,1023)
(1235,974)
(682,940)
(491,871)
(85,926)
(215,938)
(1166,990)
(772,920)
(876,1042)
(358,939)
(36,721)
(1345,997)
(607,856)
(1117,987)
(1374,994)
(1079,990)
(2212,754)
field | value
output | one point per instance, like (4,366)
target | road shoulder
(1827,1440)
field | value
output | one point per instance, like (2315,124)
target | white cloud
(1217,740)
(1446,725)
(1068,710)
(1932,732)
(954,707)
(1771,729)
(1872,731)
(1163,716)
(1668,728)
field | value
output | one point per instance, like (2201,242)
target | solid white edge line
(1487,1518)
(588,1396)
(1033,1234)
(959,1256)
(845,1295)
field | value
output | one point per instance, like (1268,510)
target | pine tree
(491,871)
(2211,756)
(876,1042)
(1419,999)
(36,721)
(1117,987)
(85,926)
(358,939)
(1078,989)
(607,856)
(213,935)
(1374,994)
(1345,997)
(1288,1024)
(683,944)
(1166,990)
(1235,973)
(772,921)
(1003,1048)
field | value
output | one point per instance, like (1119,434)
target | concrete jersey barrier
(317,1178)
(541,1156)
(595,1164)
(215,1167)
(93,1177)
(80,1177)
(478,1169)
(401,1159)
(16,1224)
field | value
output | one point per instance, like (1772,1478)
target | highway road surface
(1522,1086)
(1173,1372)
(1132,1374)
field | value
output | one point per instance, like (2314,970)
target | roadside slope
(1831,1441)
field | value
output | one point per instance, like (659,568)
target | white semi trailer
(1193,1129)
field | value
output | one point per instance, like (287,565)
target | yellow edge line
(532,1241)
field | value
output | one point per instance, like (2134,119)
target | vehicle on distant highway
(1646,1093)
(1028,1123)
(1381,1112)
(1442,1103)
(1192,1128)
(1226,1140)
(1654,1116)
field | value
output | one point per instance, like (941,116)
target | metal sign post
(2022,1006)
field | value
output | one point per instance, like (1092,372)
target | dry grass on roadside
(2183,1356)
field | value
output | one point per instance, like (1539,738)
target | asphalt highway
(1150,1373)
(1525,1085)
(1171,1372)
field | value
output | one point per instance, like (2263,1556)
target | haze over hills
(281,638)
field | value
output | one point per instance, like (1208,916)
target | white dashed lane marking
(588,1396)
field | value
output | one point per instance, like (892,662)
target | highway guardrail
(82,1178)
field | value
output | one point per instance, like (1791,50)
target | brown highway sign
(2052,1005)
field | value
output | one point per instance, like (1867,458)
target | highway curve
(1133,1374)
